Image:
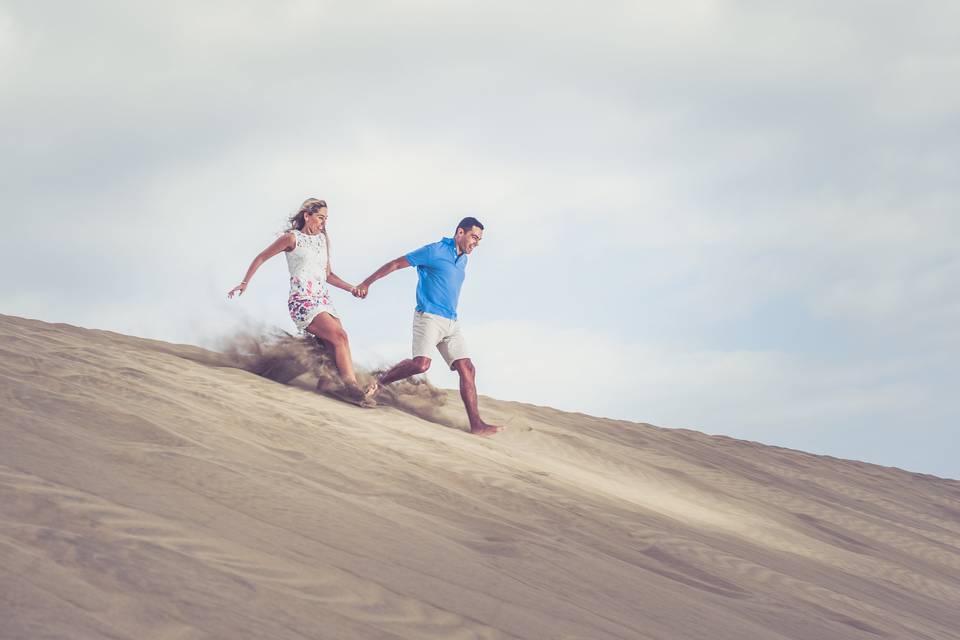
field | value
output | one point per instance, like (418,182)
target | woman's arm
(333,278)
(339,282)
(286,242)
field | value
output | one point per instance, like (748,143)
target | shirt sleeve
(421,256)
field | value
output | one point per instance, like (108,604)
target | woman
(308,257)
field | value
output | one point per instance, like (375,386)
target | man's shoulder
(439,244)
(443,244)
(438,248)
(426,253)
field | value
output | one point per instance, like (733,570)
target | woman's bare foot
(325,385)
(370,393)
(345,391)
(355,393)
(484,430)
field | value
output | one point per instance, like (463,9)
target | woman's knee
(340,337)
(334,336)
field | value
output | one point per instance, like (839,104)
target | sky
(733,216)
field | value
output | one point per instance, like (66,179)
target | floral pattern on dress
(308,298)
(309,295)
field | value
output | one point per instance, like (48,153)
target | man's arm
(390,267)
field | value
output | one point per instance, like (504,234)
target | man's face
(468,240)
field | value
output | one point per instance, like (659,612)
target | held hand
(237,290)
(360,291)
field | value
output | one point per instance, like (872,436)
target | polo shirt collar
(449,243)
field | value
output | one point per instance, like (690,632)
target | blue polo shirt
(440,272)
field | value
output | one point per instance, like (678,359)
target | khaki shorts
(430,330)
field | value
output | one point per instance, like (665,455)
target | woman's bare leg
(330,330)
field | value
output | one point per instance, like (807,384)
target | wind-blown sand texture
(150,490)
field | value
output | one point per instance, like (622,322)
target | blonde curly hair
(310,205)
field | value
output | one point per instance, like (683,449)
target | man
(441,268)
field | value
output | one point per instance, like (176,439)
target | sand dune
(150,490)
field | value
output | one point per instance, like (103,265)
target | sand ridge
(150,490)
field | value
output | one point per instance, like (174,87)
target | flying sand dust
(295,360)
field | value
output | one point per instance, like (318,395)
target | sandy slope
(149,491)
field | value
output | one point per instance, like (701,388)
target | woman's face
(315,221)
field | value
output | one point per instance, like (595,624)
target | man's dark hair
(469,223)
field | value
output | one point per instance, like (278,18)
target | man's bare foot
(484,430)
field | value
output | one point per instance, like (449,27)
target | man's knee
(421,363)
(464,366)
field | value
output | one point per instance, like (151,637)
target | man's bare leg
(399,371)
(468,392)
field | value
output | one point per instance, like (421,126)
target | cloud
(768,185)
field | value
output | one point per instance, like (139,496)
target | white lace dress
(309,296)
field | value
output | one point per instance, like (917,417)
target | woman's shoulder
(292,237)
